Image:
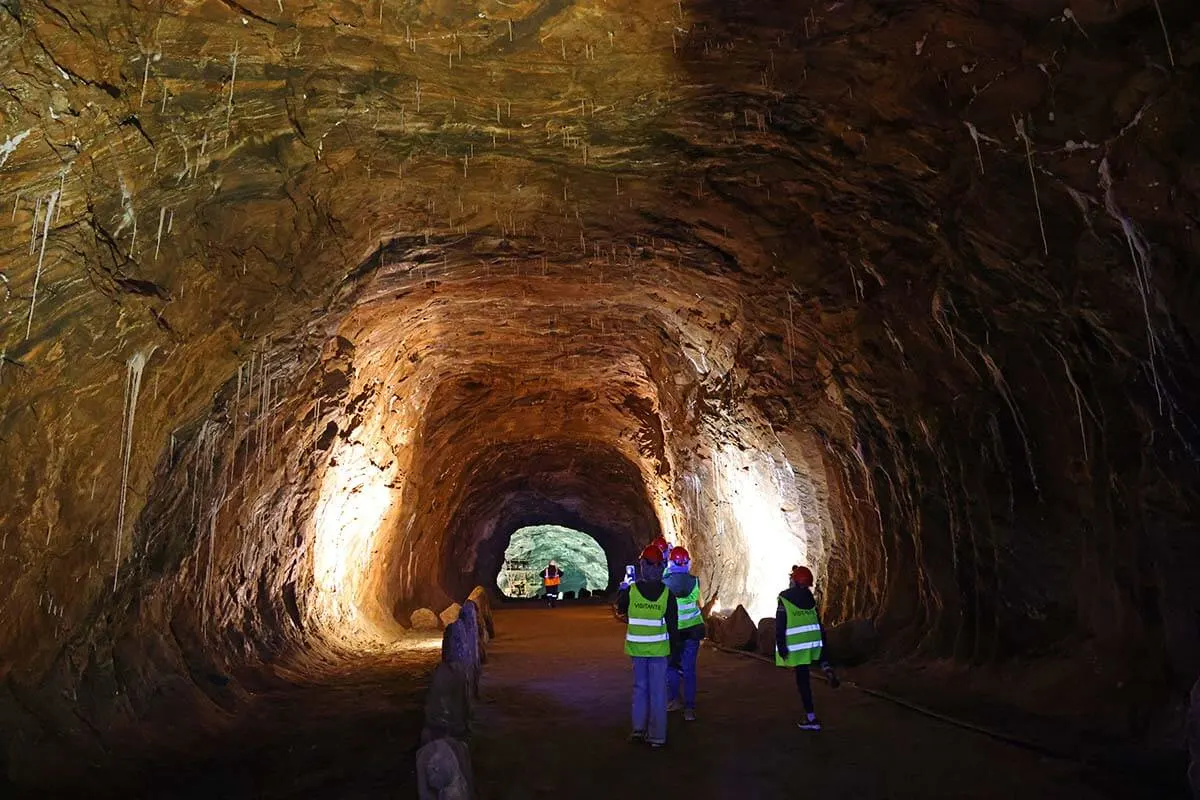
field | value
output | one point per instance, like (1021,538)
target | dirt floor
(554,720)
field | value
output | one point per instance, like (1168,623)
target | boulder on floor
(584,594)
(713,623)
(483,601)
(568,596)
(766,636)
(738,632)
(447,703)
(444,771)
(852,642)
(424,619)
(460,645)
(450,614)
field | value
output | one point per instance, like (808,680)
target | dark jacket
(802,598)
(652,590)
(681,585)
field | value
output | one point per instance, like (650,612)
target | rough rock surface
(738,631)
(851,642)
(483,602)
(448,702)
(470,616)
(444,771)
(424,619)
(765,644)
(450,614)
(304,308)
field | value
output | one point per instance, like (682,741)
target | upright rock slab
(444,771)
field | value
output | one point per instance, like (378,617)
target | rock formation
(305,308)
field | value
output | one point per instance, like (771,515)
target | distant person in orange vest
(800,640)
(552,582)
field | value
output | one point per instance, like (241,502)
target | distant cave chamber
(580,558)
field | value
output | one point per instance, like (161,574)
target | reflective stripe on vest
(802,635)
(689,609)
(646,635)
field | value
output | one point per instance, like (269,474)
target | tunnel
(306,309)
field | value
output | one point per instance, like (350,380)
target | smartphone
(630,574)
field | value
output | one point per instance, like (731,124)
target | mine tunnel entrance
(582,560)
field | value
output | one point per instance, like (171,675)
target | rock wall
(304,309)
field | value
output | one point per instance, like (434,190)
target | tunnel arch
(590,487)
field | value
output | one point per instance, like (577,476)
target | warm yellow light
(752,489)
(355,499)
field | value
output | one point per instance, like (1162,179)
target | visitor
(652,617)
(664,547)
(552,582)
(681,671)
(800,640)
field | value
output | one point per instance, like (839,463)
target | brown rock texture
(305,307)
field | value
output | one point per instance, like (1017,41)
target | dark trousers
(804,684)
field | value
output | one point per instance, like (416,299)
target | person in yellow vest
(800,640)
(552,582)
(652,617)
(681,671)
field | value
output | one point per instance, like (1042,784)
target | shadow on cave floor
(554,721)
(353,734)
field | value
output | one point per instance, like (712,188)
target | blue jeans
(650,697)
(689,649)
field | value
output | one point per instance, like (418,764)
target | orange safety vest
(553,581)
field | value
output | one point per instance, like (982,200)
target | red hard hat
(652,554)
(680,556)
(802,576)
(661,544)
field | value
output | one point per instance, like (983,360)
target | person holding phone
(651,614)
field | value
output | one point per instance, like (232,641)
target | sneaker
(657,745)
(637,736)
(813,724)
(689,714)
(674,705)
